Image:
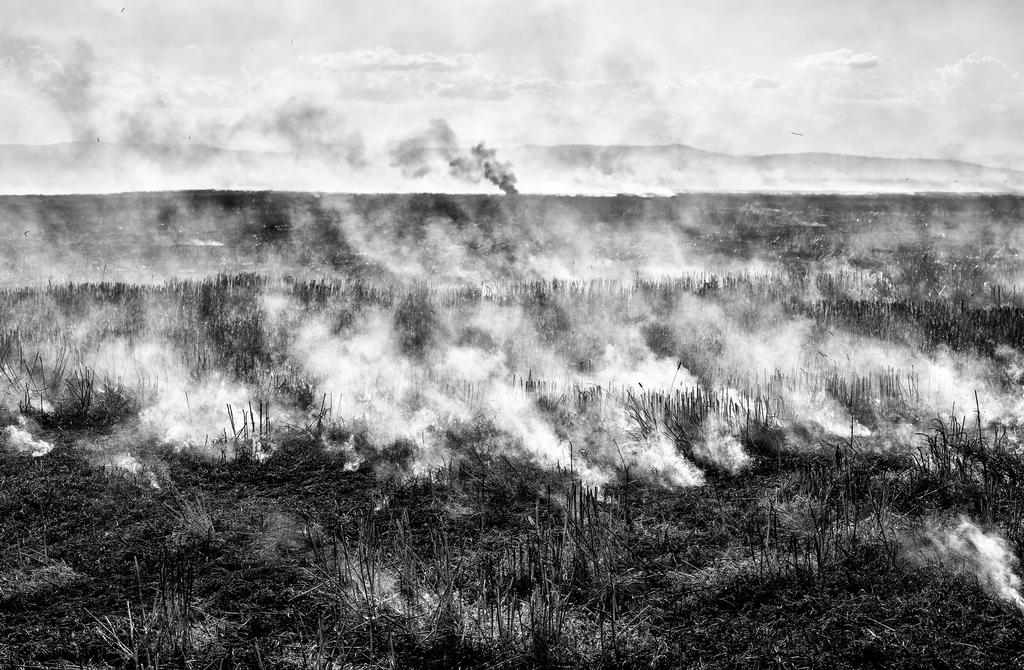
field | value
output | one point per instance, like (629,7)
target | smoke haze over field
(418,164)
(476,238)
(573,97)
(439,304)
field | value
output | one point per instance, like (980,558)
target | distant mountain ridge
(98,167)
(685,168)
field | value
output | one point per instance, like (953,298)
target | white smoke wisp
(986,555)
(657,456)
(511,411)
(179,408)
(605,433)
(636,365)
(733,355)
(192,414)
(195,242)
(393,394)
(516,414)
(946,380)
(824,411)
(717,443)
(449,239)
(366,377)
(22,441)
(179,403)
(393,397)
(130,465)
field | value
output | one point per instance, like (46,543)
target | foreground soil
(306,560)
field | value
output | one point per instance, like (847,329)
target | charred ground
(798,445)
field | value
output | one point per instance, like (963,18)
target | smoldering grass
(463,530)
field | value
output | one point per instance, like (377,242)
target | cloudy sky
(933,78)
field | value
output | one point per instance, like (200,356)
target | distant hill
(584,169)
(676,168)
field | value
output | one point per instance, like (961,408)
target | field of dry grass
(624,433)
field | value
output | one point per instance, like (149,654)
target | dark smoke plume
(498,173)
(414,155)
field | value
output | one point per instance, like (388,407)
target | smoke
(172,143)
(417,156)
(130,466)
(454,239)
(484,162)
(180,407)
(413,154)
(65,79)
(311,130)
(425,325)
(377,374)
(657,457)
(985,555)
(717,443)
(22,441)
(302,141)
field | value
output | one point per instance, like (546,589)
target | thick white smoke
(985,555)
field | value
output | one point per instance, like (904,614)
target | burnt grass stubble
(310,559)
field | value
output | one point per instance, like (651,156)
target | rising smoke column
(498,173)
(414,155)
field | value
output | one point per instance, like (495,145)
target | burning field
(278,430)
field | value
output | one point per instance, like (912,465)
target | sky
(896,78)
